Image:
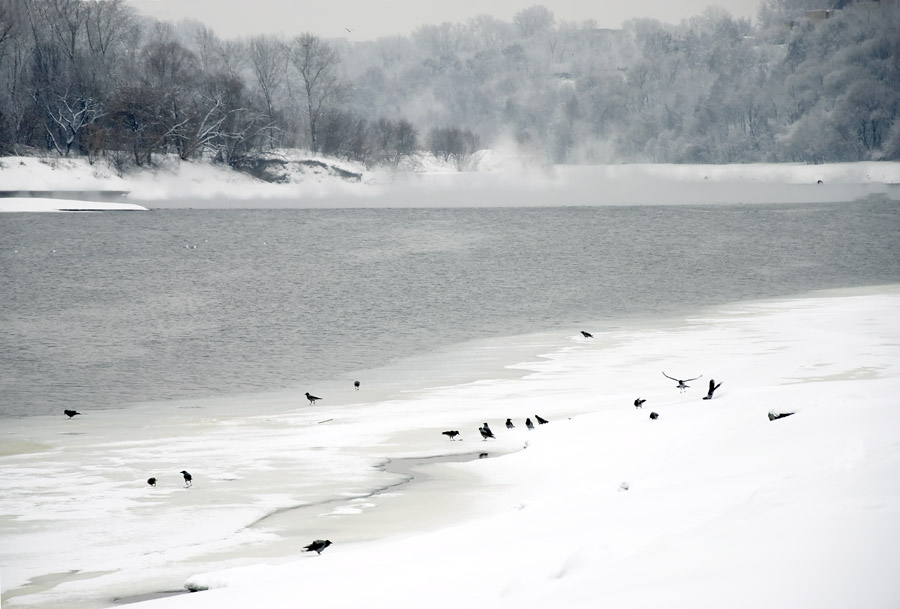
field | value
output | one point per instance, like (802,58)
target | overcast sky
(370,19)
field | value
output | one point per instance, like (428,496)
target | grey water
(104,310)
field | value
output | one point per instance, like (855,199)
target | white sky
(370,19)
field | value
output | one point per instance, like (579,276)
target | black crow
(70,413)
(712,389)
(312,399)
(151,481)
(188,479)
(452,433)
(774,416)
(587,334)
(682,384)
(639,403)
(654,416)
(356,384)
(529,424)
(510,424)
(541,420)
(486,432)
(318,546)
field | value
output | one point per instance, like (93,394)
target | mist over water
(106,310)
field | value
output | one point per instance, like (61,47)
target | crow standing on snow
(486,432)
(541,420)
(151,481)
(452,433)
(317,546)
(639,403)
(587,334)
(188,479)
(70,413)
(510,424)
(529,424)
(712,389)
(312,399)
(356,384)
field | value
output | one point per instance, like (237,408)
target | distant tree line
(95,78)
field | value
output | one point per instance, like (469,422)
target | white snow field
(710,505)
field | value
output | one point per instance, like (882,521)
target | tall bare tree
(269,63)
(316,62)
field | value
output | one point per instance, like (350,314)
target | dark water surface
(108,309)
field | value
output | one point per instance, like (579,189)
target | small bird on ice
(541,420)
(712,389)
(188,479)
(151,481)
(485,432)
(451,433)
(356,384)
(317,546)
(529,424)
(587,334)
(639,403)
(312,399)
(682,384)
(70,413)
(510,424)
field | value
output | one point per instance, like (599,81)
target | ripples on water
(108,309)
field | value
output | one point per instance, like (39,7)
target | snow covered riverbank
(711,504)
(501,179)
(44,204)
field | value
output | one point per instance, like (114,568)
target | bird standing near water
(317,546)
(151,481)
(356,384)
(682,384)
(312,399)
(451,433)
(528,423)
(639,403)
(587,334)
(712,389)
(485,432)
(70,413)
(188,479)
(541,420)
(510,424)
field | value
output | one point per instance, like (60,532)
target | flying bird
(451,433)
(318,546)
(510,424)
(70,413)
(486,432)
(529,424)
(188,479)
(312,399)
(541,420)
(712,389)
(639,403)
(151,481)
(356,384)
(682,384)
(587,334)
